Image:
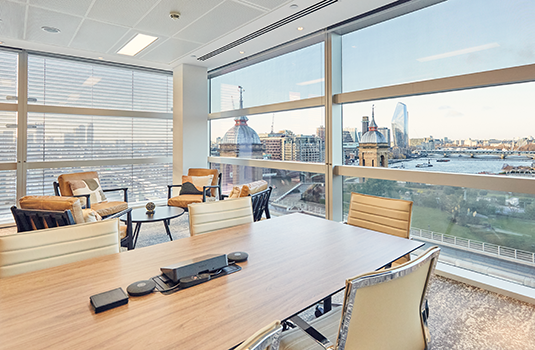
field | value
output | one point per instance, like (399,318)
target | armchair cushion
(195,184)
(91,216)
(88,186)
(182,201)
(247,189)
(54,203)
(109,208)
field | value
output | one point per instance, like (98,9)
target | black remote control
(191,281)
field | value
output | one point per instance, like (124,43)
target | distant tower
(364,125)
(400,126)
(373,147)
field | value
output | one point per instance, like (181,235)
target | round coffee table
(139,216)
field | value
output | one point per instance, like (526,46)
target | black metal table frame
(165,220)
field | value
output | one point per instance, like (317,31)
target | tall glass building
(400,126)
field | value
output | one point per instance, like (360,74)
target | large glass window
(293,76)
(8,76)
(475,225)
(144,181)
(450,38)
(293,191)
(8,194)
(486,130)
(61,82)
(297,135)
(53,137)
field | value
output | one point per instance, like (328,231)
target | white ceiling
(99,28)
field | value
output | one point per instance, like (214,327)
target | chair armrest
(170,188)
(210,186)
(119,214)
(223,196)
(87,199)
(125,189)
(312,332)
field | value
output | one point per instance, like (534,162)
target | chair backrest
(383,309)
(204,172)
(211,216)
(266,338)
(54,203)
(40,249)
(260,203)
(392,216)
(31,219)
(65,188)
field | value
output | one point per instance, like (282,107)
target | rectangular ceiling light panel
(138,43)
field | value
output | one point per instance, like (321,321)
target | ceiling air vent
(269,28)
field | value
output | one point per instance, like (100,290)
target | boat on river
(425,165)
(442,160)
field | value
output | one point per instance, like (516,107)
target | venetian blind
(134,143)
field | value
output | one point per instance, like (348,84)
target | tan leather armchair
(105,208)
(43,212)
(183,200)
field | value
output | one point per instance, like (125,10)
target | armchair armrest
(170,189)
(312,332)
(87,199)
(125,189)
(204,188)
(127,241)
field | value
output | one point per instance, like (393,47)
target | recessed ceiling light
(194,56)
(50,29)
(1,42)
(242,52)
(294,6)
(300,28)
(101,58)
(138,43)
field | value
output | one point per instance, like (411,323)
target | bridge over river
(475,152)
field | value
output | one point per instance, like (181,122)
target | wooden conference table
(294,261)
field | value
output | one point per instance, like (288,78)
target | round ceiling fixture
(174,15)
(294,6)
(300,28)
(194,56)
(242,52)
(50,29)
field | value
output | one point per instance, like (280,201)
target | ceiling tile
(97,36)
(158,21)
(77,7)
(222,20)
(269,4)
(169,51)
(12,16)
(123,12)
(38,17)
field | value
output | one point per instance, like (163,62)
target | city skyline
(501,112)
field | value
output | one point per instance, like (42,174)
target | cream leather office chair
(382,310)
(266,338)
(391,216)
(211,216)
(35,250)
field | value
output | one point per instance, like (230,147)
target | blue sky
(451,38)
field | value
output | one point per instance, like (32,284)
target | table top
(160,214)
(294,261)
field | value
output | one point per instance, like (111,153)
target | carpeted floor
(462,317)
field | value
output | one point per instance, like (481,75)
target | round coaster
(140,288)
(237,256)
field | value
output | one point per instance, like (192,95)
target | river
(462,164)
